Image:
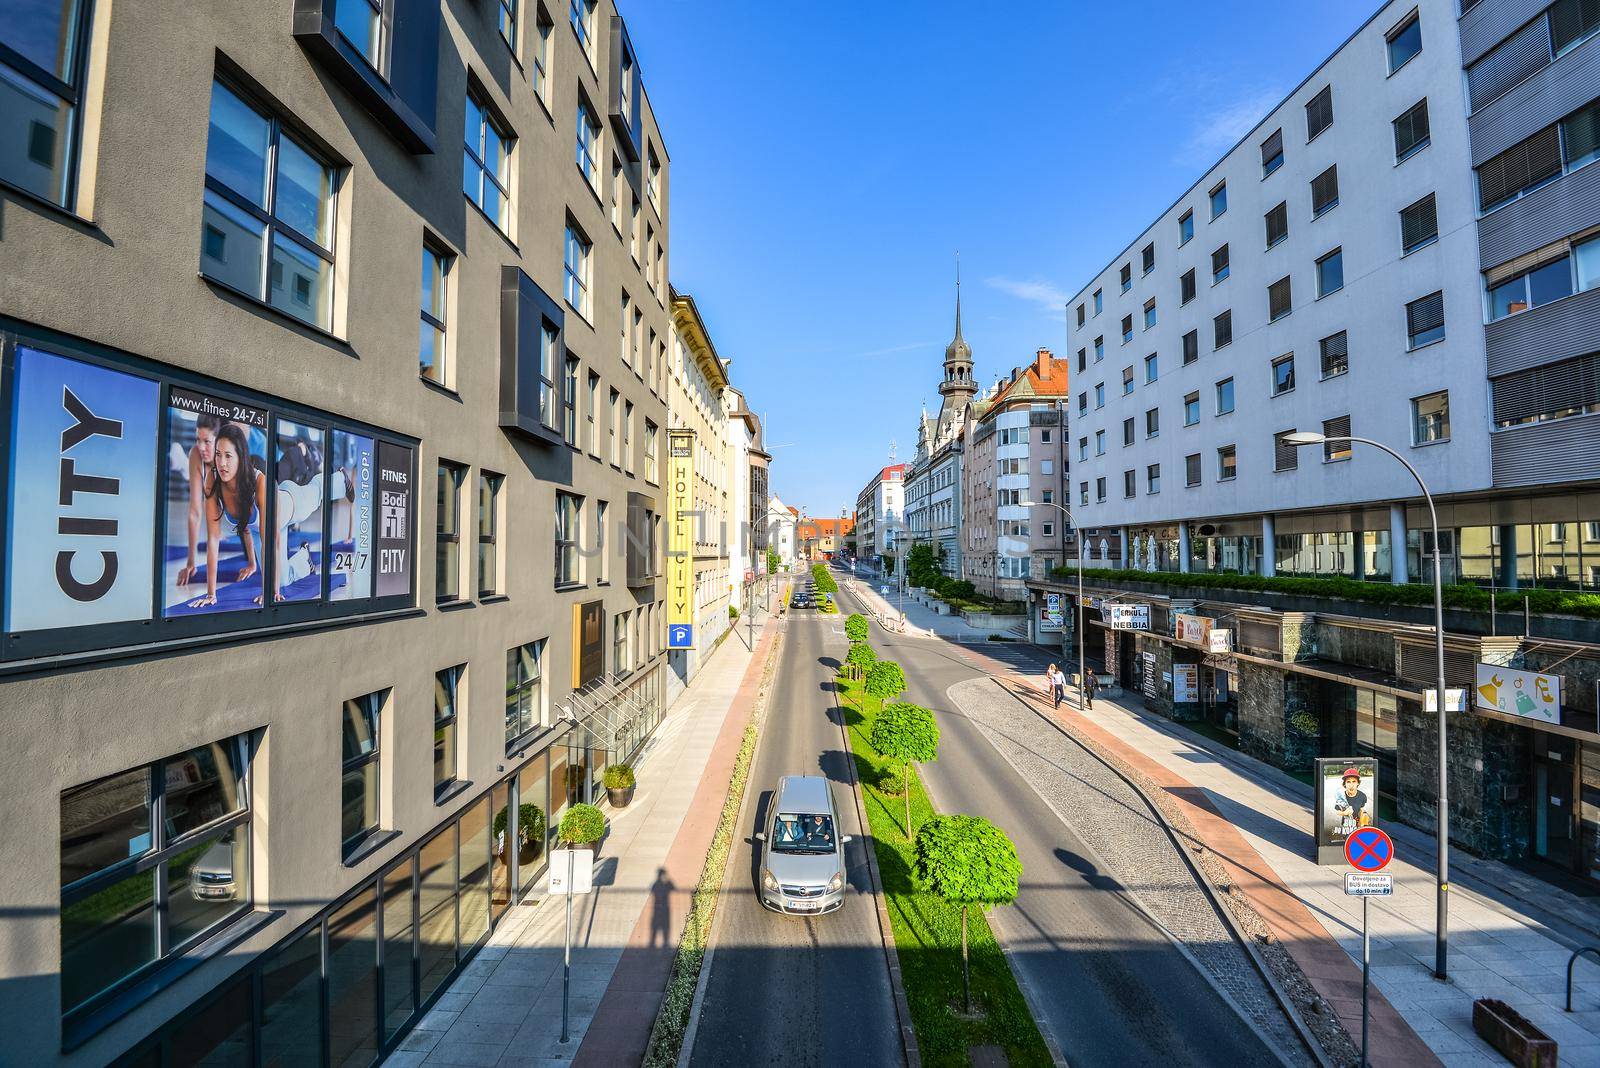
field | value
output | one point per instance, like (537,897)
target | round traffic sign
(1369,849)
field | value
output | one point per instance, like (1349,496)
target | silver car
(802,855)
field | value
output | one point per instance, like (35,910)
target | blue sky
(828,160)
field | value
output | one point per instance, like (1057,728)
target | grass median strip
(927,931)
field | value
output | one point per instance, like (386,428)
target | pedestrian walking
(1091,684)
(1057,683)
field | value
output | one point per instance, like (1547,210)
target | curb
(902,1007)
(1285,1003)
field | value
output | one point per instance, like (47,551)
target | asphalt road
(796,990)
(1109,985)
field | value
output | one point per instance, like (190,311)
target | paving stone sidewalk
(505,1008)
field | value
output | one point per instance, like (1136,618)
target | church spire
(958,296)
(957,388)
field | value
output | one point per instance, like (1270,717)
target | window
(569,402)
(1127,329)
(1100,395)
(1127,381)
(524,692)
(619,645)
(1083,402)
(1191,469)
(1186,286)
(614,429)
(1152,423)
(1335,355)
(1222,330)
(1099,490)
(1219,264)
(652,462)
(1191,347)
(602,565)
(1572,21)
(1425,320)
(1225,396)
(1191,408)
(1430,418)
(1272,153)
(1411,131)
(508,22)
(360,22)
(488,528)
(617,183)
(549,345)
(267,221)
(1047,467)
(1152,476)
(1419,225)
(1336,451)
(447,555)
(1099,442)
(1185,227)
(1587,256)
(446,693)
(591,414)
(652,179)
(1280,299)
(1319,113)
(486,164)
(1283,374)
(569,516)
(1151,370)
(1219,200)
(1543,284)
(1099,349)
(183,823)
(1149,313)
(1277,221)
(1147,258)
(41,88)
(1522,168)
(588,145)
(1285,456)
(1130,483)
(1081,315)
(633,226)
(627,436)
(1083,448)
(1330,273)
(1083,493)
(358,818)
(1048,529)
(1325,191)
(1127,277)
(1098,303)
(577,266)
(541,59)
(583,24)
(1127,431)
(1083,359)
(1227,463)
(1554,391)
(432,359)
(1405,41)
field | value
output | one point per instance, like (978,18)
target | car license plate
(803,906)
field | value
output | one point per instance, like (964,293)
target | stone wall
(1162,702)
(1302,724)
(1489,811)
(1357,646)
(1261,723)
(1300,633)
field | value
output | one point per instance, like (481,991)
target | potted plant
(530,832)
(582,825)
(620,782)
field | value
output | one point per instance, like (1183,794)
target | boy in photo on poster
(1348,806)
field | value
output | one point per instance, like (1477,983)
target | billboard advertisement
(1127,616)
(81,515)
(352,482)
(1346,800)
(680,539)
(1191,628)
(299,475)
(396,502)
(1516,692)
(1185,683)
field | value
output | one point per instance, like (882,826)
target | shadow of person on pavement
(661,909)
(1084,867)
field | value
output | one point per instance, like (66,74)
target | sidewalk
(1257,820)
(505,1007)
(921,621)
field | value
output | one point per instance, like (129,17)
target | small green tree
(886,680)
(861,658)
(907,733)
(856,627)
(582,825)
(772,561)
(967,861)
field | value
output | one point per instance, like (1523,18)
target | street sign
(883,590)
(1369,849)
(581,865)
(1360,884)
(680,636)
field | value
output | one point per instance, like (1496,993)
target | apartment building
(1013,472)
(289,755)
(782,521)
(880,516)
(1403,250)
(748,465)
(933,478)
(824,539)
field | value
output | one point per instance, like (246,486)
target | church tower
(957,388)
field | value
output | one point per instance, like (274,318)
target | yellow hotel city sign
(680,539)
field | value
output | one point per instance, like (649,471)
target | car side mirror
(761,836)
(846,838)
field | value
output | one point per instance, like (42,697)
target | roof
(1031,385)
(803,793)
(692,328)
(892,473)
(830,528)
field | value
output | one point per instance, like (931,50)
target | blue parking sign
(680,636)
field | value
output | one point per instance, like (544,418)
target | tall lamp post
(1083,678)
(1442,872)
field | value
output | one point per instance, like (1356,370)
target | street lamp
(1083,678)
(1442,875)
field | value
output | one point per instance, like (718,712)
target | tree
(856,627)
(861,658)
(967,861)
(907,733)
(923,565)
(886,680)
(772,561)
(582,825)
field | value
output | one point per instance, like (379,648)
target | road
(1109,985)
(798,990)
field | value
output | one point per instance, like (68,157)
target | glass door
(1555,816)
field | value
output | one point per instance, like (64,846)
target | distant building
(782,522)
(880,514)
(933,478)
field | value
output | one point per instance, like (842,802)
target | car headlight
(767,881)
(836,883)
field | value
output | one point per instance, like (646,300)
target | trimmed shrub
(885,680)
(861,656)
(582,825)
(967,861)
(619,777)
(530,823)
(856,627)
(907,733)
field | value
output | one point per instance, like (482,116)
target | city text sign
(1127,616)
(680,539)
(1360,884)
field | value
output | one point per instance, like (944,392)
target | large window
(582,14)
(588,148)
(42,49)
(524,691)
(446,712)
(447,557)
(1541,285)
(488,534)
(576,262)
(569,402)
(267,223)
(359,816)
(1430,418)
(569,514)
(486,164)
(432,359)
(1572,22)
(152,861)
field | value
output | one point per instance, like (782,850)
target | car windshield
(794,833)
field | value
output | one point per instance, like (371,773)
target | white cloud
(1045,294)
(1224,123)
(892,349)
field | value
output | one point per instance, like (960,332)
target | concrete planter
(1514,1035)
(999,622)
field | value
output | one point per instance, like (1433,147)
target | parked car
(802,854)
(211,877)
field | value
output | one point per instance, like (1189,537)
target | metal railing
(1573,963)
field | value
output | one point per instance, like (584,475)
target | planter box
(1514,1035)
